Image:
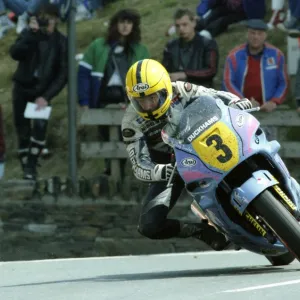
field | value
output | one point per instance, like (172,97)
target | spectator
(278,14)
(87,9)
(41,51)
(217,15)
(84,10)
(257,70)
(191,57)
(2,145)
(23,9)
(102,71)
(32,8)
(297,87)
(17,6)
(292,25)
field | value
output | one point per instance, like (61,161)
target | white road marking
(204,253)
(265,286)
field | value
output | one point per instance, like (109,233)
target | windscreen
(197,117)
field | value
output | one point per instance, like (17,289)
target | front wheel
(281,260)
(280,220)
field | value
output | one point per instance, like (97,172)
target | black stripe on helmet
(139,75)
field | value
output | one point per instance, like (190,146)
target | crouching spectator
(257,70)
(41,52)
(292,24)
(2,145)
(216,15)
(278,14)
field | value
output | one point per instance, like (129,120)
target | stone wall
(45,220)
(61,227)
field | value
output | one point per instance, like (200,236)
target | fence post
(114,136)
(72,141)
(115,162)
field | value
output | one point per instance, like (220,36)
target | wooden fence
(284,123)
(280,122)
(114,149)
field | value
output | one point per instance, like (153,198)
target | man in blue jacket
(217,15)
(257,70)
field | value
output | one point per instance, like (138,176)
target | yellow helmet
(148,77)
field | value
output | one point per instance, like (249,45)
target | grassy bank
(156,17)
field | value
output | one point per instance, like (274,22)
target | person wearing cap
(256,69)
(102,71)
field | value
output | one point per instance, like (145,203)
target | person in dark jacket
(191,57)
(41,51)
(217,15)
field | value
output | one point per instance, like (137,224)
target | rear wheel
(280,220)
(281,260)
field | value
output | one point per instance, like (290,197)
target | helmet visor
(149,104)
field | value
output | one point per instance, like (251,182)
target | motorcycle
(237,179)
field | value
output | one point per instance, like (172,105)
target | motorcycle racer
(156,102)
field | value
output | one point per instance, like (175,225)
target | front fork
(241,197)
(259,182)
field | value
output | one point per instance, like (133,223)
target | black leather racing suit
(146,149)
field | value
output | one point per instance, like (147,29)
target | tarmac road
(202,275)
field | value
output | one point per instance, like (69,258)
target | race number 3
(217,142)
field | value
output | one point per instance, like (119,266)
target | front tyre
(284,225)
(281,260)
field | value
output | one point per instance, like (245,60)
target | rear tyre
(280,220)
(281,260)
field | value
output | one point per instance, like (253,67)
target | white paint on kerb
(265,286)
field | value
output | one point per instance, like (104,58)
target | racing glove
(162,172)
(241,104)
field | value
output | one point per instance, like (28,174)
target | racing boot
(206,233)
